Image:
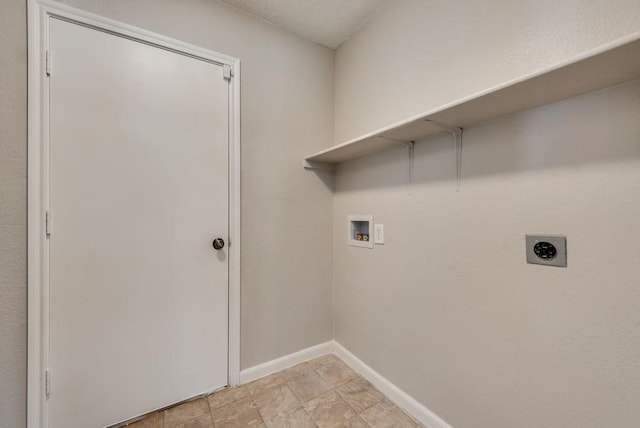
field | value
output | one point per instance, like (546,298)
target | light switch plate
(549,250)
(379,234)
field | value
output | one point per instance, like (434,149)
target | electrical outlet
(550,250)
(379,234)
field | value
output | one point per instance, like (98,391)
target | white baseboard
(392,392)
(273,366)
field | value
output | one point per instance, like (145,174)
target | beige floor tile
(308,386)
(185,412)
(360,394)
(258,386)
(275,401)
(202,421)
(387,415)
(335,372)
(296,372)
(334,396)
(237,415)
(298,418)
(330,410)
(323,360)
(355,422)
(152,421)
(227,396)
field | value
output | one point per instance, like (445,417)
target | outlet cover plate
(558,241)
(378,232)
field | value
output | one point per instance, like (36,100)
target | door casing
(39,13)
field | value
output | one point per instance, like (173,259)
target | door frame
(39,12)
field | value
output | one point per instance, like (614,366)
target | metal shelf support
(410,145)
(456,132)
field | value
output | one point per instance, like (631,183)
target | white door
(138,182)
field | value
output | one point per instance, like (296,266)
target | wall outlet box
(359,230)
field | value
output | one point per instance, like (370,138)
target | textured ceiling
(328,22)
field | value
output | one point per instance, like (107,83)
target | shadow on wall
(327,178)
(594,128)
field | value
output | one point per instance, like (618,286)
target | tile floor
(322,393)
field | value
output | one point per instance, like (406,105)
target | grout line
(284,383)
(210,410)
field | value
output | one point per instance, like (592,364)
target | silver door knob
(218,243)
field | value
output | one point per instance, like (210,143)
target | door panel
(138,190)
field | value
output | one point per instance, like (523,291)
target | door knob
(218,243)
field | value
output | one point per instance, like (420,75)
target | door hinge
(47,383)
(227,72)
(48,63)
(47,223)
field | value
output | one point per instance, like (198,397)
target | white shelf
(606,66)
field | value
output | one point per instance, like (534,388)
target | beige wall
(416,55)
(447,309)
(287,111)
(13,213)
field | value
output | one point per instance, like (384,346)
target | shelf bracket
(410,145)
(406,143)
(456,132)
(318,166)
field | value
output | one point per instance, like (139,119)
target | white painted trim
(39,12)
(274,366)
(391,391)
(234,226)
